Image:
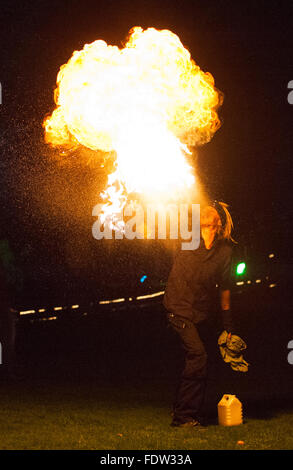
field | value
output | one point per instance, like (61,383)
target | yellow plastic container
(229,411)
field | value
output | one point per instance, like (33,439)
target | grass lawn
(39,415)
(108,383)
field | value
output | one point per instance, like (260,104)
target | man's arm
(225,297)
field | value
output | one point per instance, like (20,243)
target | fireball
(148,102)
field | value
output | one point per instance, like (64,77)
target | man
(189,298)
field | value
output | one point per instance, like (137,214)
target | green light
(240,269)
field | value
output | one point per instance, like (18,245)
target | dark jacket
(194,277)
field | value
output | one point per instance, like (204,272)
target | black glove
(227,319)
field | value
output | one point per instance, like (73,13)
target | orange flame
(149,102)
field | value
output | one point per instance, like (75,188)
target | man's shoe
(188,424)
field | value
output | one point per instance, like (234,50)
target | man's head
(210,224)
(216,220)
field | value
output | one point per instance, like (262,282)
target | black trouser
(191,390)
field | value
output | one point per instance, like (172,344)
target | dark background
(46,202)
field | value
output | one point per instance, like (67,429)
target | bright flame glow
(148,102)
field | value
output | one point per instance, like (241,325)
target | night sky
(247,46)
